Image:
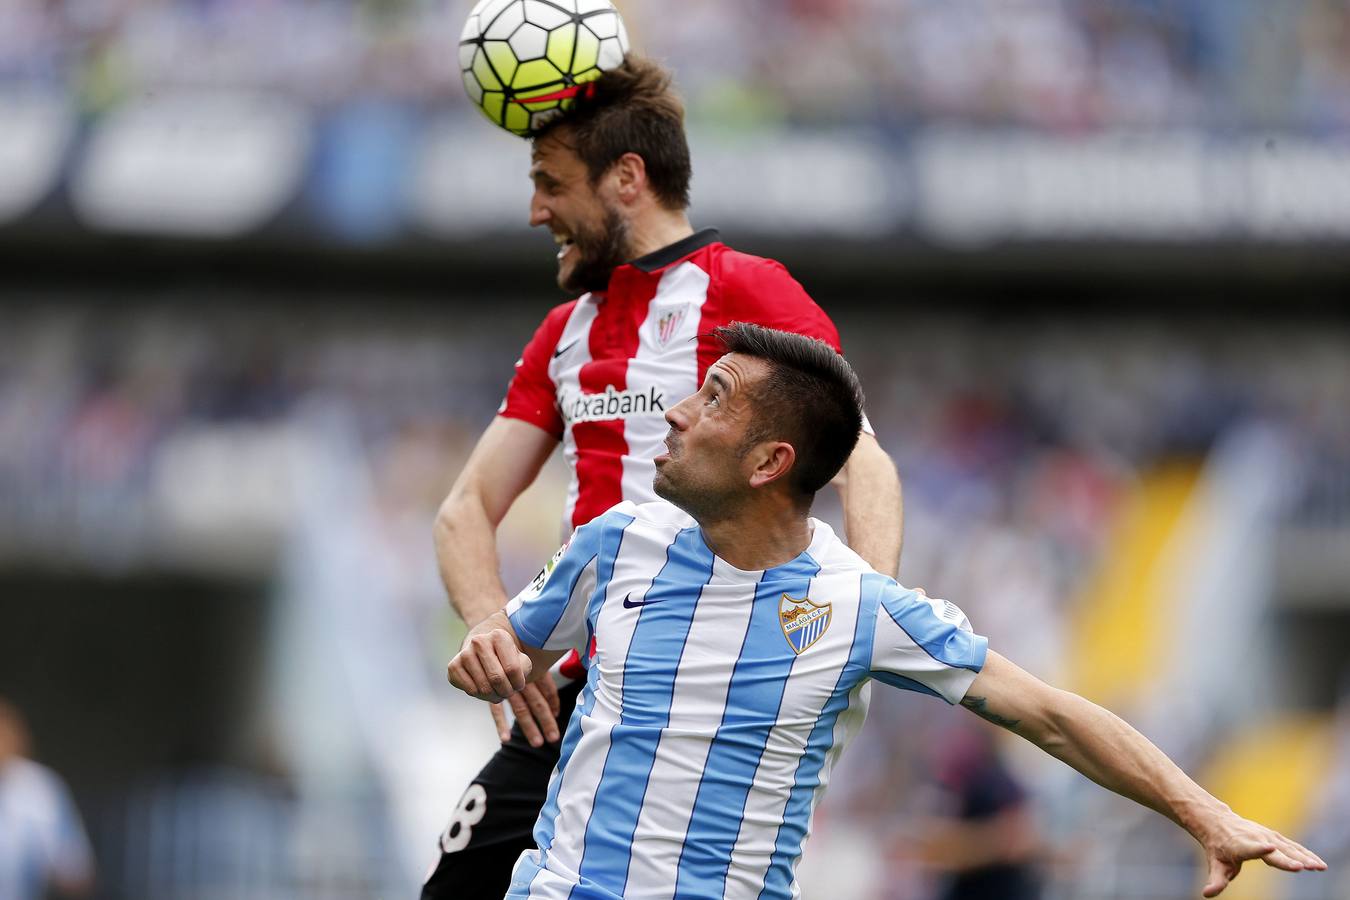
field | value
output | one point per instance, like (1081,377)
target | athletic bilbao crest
(803,621)
(667,325)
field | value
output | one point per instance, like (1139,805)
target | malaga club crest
(803,621)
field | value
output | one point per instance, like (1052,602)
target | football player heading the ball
(611,177)
(734,641)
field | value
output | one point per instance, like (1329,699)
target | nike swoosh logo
(561,350)
(629,604)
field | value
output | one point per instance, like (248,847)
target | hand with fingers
(1233,840)
(489,666)
(536,709)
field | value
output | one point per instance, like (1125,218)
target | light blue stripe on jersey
(613,536)
(939,638)
(548,814)
(523,875)
(757,685)
(796,815)
(648,687)
(535,621)
(612,527)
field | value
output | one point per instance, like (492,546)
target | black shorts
(494,822)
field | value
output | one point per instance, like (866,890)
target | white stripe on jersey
(617,620)
(574,619)
(755,843)
(705,676)
(604,699)
(765,805)
(669,360)
(572,352)
(576,807)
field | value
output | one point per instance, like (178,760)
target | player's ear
(771,460)
(630,176)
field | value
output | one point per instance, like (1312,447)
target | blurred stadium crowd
(1065,65)
(1038,431)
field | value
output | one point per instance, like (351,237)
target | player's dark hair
(811,399)
(631,109)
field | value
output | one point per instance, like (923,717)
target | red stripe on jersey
(532,396)
(614,339)
(572,667)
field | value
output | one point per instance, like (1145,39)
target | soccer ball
(524,60)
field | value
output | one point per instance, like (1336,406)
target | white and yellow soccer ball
(525,60)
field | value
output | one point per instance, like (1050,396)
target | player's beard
(707,495)
(599,252)
(669,486)
(706,503)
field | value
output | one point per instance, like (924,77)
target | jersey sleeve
(763,292)
(759,291)
(923,644)
(550,614)
(532,396)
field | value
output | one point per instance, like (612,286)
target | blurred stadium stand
(263,275)
(957,124)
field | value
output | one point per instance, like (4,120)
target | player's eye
(713,400)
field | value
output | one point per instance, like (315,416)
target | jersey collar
(673,253)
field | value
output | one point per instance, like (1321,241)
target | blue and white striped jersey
(716,702)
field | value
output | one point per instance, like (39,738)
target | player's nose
(539,211)
(677,416)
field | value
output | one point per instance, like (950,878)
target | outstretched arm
(1106,749)
(874,517)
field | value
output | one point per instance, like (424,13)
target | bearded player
(611,183)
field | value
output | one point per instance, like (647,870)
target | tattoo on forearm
(980,707)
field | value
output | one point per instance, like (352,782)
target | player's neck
(759,537)
(657,228)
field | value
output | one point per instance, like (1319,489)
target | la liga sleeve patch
(540,581)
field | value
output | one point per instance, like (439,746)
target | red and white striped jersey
(601,371)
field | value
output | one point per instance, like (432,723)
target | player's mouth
(670,451)
(565,245)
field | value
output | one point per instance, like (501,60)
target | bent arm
(504,463)
(493,664)
(874,516)
(1106,749)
